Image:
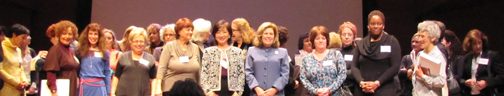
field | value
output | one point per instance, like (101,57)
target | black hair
(301,40)
(2,30)
(221,24)
(188,87)
(17,29)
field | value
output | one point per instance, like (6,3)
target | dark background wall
(37,15)
(402,15)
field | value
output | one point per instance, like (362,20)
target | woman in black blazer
(487,65)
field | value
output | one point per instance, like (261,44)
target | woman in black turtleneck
(348,32)
(376,60)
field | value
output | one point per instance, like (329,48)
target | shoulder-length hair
(115,45)
(301,40)
(472,35)
(319,30)
(84,41)
(125,42)
(258,40)
(62,26)
(243,26)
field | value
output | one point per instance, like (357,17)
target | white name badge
(224,64)
(483,61)
(327,63)
(385,49)
(348,57)
(144,62)
(184,59)
(98,54)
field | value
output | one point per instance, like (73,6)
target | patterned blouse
(211,70)
(328,73)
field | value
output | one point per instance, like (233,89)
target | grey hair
(200,26)
(431,27)
(166,28)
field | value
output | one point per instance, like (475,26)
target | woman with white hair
(423,83)
(201,33)
(167,35)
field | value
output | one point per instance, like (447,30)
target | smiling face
(376,25)
(66,36)
(93,37)
(268,37)
(185,33)
(347,37)
(307,45)
(416,43)
(222,36)
(138,43)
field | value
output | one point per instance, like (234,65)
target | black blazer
(495,66)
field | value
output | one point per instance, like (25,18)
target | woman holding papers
(483,71)
(61,62)
(180,59)
(425,82)
(135,68)
(223,70)
(322,71)
(267,65)
(376,60)
(95,71)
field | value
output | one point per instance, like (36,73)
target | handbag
(343,89)
(453,85)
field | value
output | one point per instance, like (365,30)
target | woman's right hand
(470,82)
(54,94)
(259,91)
(322,92)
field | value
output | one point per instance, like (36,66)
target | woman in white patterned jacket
(222,71)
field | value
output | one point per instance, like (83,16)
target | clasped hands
(368,86)
(262,92)
(479,85)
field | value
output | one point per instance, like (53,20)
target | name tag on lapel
(184,59)
(144,62)
(385,49)
(327,63)
(348,57)
(483,61)
(98,54)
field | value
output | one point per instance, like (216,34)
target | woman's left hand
(419,72)
(481,84)
(271,92)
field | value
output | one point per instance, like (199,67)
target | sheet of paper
(62,84)
(298,59)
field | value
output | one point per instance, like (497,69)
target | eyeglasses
(138,42)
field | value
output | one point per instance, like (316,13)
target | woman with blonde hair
(243,34)
(334,41)
(136,68)
(125,46)
(266,64)
(113,47)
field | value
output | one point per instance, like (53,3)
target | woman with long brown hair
(95,71)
